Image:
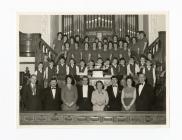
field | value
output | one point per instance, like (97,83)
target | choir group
(63,83)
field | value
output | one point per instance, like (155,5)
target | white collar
(32,85)
(142,84)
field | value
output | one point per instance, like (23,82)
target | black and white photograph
(92,69)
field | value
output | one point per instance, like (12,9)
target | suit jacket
(31,102)
(144,102)
(50,103)
(85,103)
(114,102)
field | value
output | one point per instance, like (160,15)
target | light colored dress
(128,97)
(99,100)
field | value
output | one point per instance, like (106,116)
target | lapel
(89,91)
(113,92)
(52,93)
(81,91)
(137,90)
(31,90)
(142,92)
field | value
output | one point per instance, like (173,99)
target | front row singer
(86,98)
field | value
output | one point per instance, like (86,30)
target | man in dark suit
(52,96)
(32,96)
(145,95)
(114,93)
(84,95)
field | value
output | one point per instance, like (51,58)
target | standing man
(84,95)
(50,71)
(114,92)
(61,71)
(145,95)
(52,96)
(31,96)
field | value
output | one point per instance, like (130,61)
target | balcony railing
(92,118)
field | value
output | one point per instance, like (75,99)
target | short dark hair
(122,59)
(139,73)
(150,53)
(115,58)
(92,61)
(72,79)
(101,83)
(114,77)
(72,59)
(65,35)
(115,43)
(110,42)
(85,77)
(142,32)
(53,78)
(82,60)
(134,38)
(125,42)
(76,42)
(59,33)
(62,58)
(67,43)
(86,43)
(131,78)
(142,56)
(100,42)
(132,58)
(40,63)
(127,36)
(51,61)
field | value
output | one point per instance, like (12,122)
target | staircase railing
(42,50)
(158,49)
(46,49)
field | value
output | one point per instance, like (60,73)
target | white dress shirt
(141,88)
(137,69)
(53,92)
(81,73)
(33,89)
(115,90)
(85,91)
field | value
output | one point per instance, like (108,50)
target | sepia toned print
(92,69)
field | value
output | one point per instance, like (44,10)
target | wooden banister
(42,42)
(157,47)
(42,50)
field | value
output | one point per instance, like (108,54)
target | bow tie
(141,84)
(53,87)
(115,86)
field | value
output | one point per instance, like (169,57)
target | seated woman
(99,97)
(128,96)
(69,95)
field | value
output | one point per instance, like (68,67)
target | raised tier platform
(93,118)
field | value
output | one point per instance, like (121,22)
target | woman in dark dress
(69,95)
(128,96)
